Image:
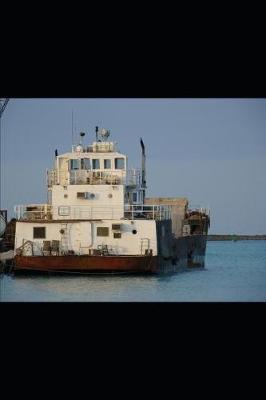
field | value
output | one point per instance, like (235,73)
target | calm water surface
(235,271)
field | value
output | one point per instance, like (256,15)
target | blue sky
(211,151)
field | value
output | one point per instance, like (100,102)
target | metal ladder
(64,238)
(144,245)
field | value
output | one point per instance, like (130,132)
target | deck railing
(199,209)
(146,211)
(85,177)
(33,212)
(47,212)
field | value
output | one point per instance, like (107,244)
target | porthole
(65,196)
(134,231)
(62,231)
(110,196)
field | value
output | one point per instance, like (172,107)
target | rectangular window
(116,227)
(117,235)
(107,164)
(96,164)
(135,197)
(81,195)
(102,231)
(74,164)
(63,210)
(85,163)
(39,233)
(119,163)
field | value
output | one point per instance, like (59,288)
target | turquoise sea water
(235,271)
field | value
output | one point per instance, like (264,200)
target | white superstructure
(95,206)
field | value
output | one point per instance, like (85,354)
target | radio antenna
(72,127)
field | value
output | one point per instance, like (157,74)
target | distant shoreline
(236,237)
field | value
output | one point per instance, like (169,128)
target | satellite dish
(105,133)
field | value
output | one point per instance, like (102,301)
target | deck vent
(117,235)
(116,227)
(85,195)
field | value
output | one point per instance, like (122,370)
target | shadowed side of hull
(86,264)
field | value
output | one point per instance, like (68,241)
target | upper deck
(94,182)
(84,176)
(100,163)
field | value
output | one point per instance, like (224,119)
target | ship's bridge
(99,163)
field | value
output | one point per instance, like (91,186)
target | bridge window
(102,231)
(96,164)
(74,164)
(39,233)
(85,163)
(135,197)
(119,163)
(107,164)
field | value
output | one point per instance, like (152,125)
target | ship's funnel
(143,165)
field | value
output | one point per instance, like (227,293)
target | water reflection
(232,273)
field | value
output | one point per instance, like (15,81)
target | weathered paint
(107,203)
(81,236)
(86,264)
(162,263)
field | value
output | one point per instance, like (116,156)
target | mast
(3,104)
(143,168)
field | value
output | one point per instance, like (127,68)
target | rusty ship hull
(188,252)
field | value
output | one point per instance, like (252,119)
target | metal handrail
(200,209)
(47,212)
(94,177)
(33,211)
(148,211)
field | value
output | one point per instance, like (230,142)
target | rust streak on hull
(86,264)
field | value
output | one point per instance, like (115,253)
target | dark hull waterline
(118,264)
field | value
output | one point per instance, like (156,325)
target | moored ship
(98,219)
